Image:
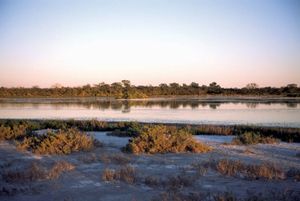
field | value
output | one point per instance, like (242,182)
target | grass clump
(253,138)
(238,169)
(127,174)
(163,139)
(59,168)
(36,172)
(60,142)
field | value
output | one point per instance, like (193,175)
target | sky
(72,42)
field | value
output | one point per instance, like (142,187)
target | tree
(56,86)
(252,86)
(194,85)
(214,88)
(291,86)
(126,83)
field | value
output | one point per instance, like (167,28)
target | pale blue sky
(232,42)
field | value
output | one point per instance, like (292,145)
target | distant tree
(214,85)
(56,86)
(291,86)
(163,85)
(126,83)
(194,85)
(174,85)
(214,88)
(252,86)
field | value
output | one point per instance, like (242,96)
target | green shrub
(12,132)
(253,138)
(60,142)
(163,139)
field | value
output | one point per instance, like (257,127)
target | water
(214,138)
(270,112)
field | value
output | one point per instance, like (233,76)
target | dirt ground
(85,182)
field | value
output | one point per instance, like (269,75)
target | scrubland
(60,161)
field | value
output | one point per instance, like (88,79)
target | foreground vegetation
(57,142)
(37,172)
(163,139)
(114,174)
(253,138)
(14,129)
(126,90)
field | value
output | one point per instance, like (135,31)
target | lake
(268,112)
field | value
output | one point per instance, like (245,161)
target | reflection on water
(268,112)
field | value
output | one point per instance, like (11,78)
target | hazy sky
(232,42)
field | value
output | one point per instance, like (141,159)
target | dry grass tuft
(239,169)
(229,168)
(36,172)
(109,175)
(201,168)
(59,168)
(127,174)
(163,139)
(33,172)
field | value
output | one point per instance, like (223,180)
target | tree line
(126,90)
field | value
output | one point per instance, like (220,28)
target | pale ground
(85,183)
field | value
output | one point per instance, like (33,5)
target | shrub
(163,139)
(60,142)
(253,138)
(12,133)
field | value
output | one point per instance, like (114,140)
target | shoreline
(209,98)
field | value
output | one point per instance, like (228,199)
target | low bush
(12,132)
(163,139)
(60,142)
(253,138)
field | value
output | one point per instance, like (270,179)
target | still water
(197,111)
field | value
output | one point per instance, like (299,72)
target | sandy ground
(84,183)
